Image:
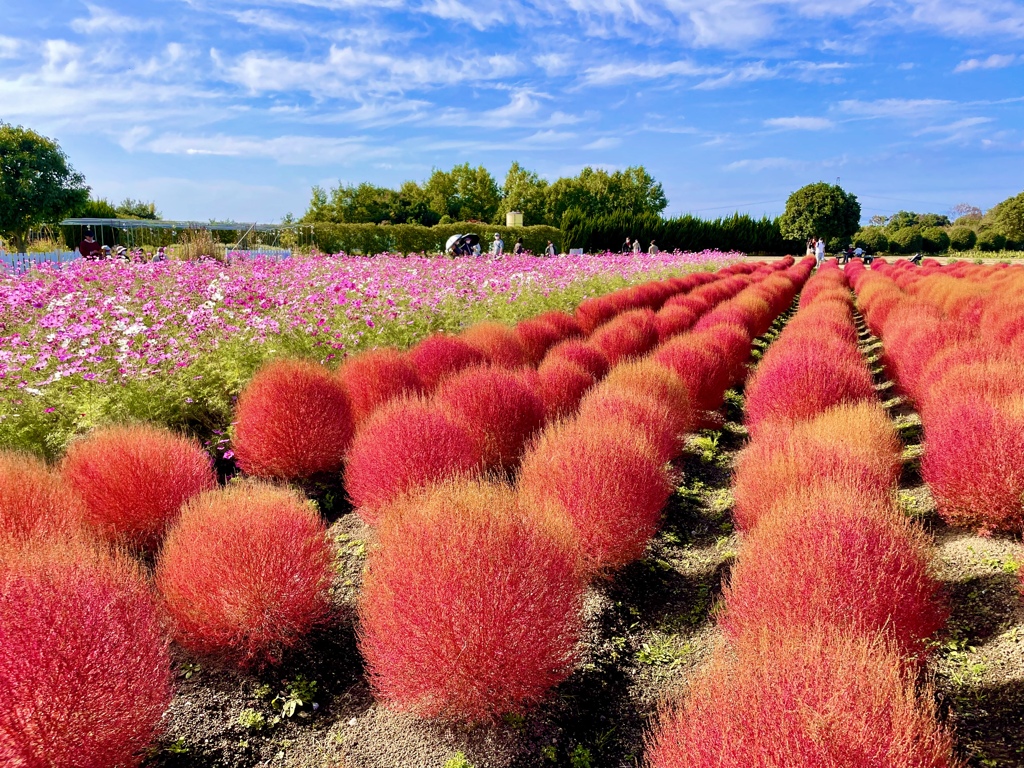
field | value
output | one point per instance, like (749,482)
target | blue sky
(235,108)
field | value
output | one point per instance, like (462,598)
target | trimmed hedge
(415,238)
(685,233)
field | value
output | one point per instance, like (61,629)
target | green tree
(595,192)
(37,185)
(1009,217)
(523,191)
(962,238)
(319,207)
(820,210)
(934,240)
(137,209)
(463,193)
(902,220)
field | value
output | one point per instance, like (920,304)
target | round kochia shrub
(817,701)
(585,355)
(245,573)
(649,378)
(406,445)
(562,386)
(838,559)
(84,668)
(294,420)
(469,609)
(607,482)
(498,343)
(497,407)
(134,479)
(34,502)
(374,378)
(972,462)
(853,446)
(440,355)
(634,413)
(799,380)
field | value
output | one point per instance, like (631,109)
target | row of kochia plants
(502,470)
(830,604)
(954,340)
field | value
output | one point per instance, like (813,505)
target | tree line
(465,193)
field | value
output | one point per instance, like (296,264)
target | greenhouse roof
(234,226)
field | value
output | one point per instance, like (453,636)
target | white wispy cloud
(995,61)
(798,123)
(287,150)
(763,164)
(106,21)
(894,108)
(9,47)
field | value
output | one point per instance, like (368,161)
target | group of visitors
(90,250)
(498,247)
(634,247)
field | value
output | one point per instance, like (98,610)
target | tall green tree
(523,191)
(37,184)
(1009,217)
(595,192)
(820,210)
(463,193)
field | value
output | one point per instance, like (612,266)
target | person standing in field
(498,246)
(89,248)
(550,250)
(518,249)
(811,243)
(626,246)
(819,251)
(653,250)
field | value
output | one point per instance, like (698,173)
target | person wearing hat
(89,248)
(121,253)
(105,251)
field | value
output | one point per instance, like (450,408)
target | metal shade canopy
(163,224)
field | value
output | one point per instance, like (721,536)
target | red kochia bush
(608,483)
(405,446)
(245,573)
(498,343)
(800,381)
(818,701)
(634,412)
(84,668)
(631,334)
(34,502)
(583,354)
(440,356)
(377,377)
(497,407)
(562,386)
(972,461)
(469,609)
(845,561)
(134,479)
(293,420)
(851,446)
(651,379)
(537,336)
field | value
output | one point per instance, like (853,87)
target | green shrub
(906,240)
(934,240)
(962,238)
(991,240)
(871,239)
(415,238)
